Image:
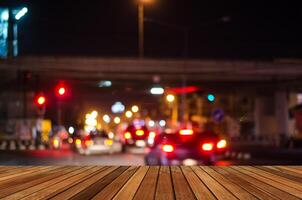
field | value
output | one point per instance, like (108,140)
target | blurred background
(153,82)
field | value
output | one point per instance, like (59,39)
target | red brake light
(168,148)
(221,144)
(139,132)
(186,132)
(207,146)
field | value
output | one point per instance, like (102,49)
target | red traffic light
(40,100)
(61,90)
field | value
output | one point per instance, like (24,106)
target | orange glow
(139,132)
(186,132)
(168,148)
(207,146)
(41,100)
(56,142)
(127,135)
(88,142)
(221,144)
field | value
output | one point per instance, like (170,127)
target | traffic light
(61,90)
(211,97)
(40,100)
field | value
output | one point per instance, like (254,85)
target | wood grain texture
(156,182)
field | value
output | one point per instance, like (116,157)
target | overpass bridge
(273,85)
(171,69)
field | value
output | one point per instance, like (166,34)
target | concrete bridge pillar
(281,113)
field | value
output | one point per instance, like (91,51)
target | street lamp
(170,98)
(135,109)
(129,114)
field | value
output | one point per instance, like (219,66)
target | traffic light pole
(59,107)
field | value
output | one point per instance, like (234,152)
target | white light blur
(162,123)
(106,119)
(105,83)
(151,123)
(157,90)
(94,114)
(71,130)
(135,109)
(21,13)
(117,120)
(128,114)
(111,135)
(5,15)
(117,107)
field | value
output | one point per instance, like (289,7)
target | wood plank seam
(205,184)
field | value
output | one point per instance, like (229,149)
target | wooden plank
(259,193)
(181,187)
(198,187)
(286,171)
(28,191)
(85,190)
(291,169)
(27,178)
(148,186)
(280,179)
(278,185)
(16,188)
(3,168)
(280,173)
(164,189)
(261,185)
(129,189)
(52,190)
(110,190)
(236,190)
(22,172)
(218,190)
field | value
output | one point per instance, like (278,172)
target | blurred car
(97,144)
(136,136)
(186,147)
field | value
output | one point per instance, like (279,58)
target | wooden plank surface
(156,182)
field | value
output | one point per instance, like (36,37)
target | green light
(211,97)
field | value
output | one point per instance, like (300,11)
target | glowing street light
(117,120)
(21,13)
(135,109)
(94,114)
(129,114)
(170,98)
(157,90)
(106,119)
(71,130)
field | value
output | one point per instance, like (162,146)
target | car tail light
(207,146)
(186,132)
(221,144)
(127,135)
(168,148)
(139,132)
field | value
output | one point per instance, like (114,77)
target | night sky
(108,28)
